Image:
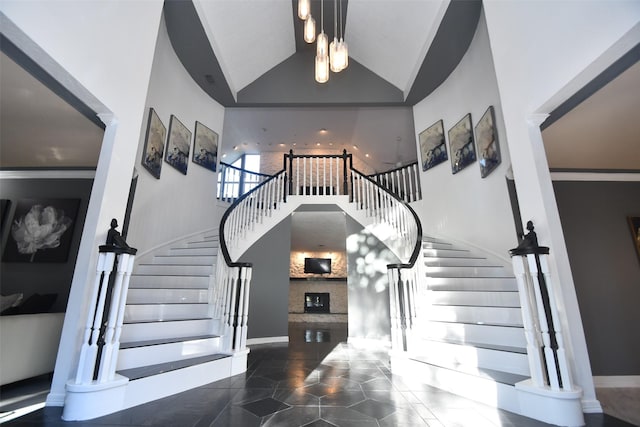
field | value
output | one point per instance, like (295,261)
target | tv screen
(317,265)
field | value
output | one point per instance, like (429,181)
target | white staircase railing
(404,182)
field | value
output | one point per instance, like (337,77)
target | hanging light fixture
(333,47)
(341,57)
(322,51)
(304,8)
(334,56)
(310,29)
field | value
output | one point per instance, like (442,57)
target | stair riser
(433,245)
(459,271)
(151,355)
(450,253)
(478,299)
(158,386)
(184,260)
(454,262)
(494,335)
(193,251)
(163,296)
(477,315)
(205,244)
(164,312)
(151,281)
(446,354)
(162,270)
(159,330)
(472,283)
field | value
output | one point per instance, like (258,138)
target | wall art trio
(462,149)
(178,148)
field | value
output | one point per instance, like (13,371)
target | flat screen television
(317,265)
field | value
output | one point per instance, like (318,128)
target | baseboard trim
(617,381)
(267,340)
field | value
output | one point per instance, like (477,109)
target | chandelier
(334,56)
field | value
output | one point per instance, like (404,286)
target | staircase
(469,337)
(168,333)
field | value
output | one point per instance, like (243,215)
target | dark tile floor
(317,380)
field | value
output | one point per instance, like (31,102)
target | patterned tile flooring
(316,380)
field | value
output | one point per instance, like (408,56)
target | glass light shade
(304,7)
(333,50)
(342,55)
(322,44)
(310,30)
(322,69)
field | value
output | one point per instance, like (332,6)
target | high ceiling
(249,57)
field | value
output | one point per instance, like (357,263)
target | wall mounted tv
(317,265)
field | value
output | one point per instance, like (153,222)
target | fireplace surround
(316,302)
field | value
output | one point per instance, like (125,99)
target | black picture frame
(154,144)
(178,145)
(463,151)
(41,230)
(5,206)
(205,147)
(634,224)
(433,147)
(487,141)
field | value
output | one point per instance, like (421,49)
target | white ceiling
(318,231)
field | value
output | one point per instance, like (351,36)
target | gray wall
(269,296)
(43,278)
(367,283)
(606,269)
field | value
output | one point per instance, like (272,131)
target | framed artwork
(433,148)
(487,140)
(634,223)
(41,230)
(5,204)
(178,145)
(205,147)
(154,144)
(463,152)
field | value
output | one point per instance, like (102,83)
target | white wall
(176,204)
(464,206)
(543,53)
(102,52)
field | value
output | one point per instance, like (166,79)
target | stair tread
(490,374)
(148,343)
(487,346)
(147,371)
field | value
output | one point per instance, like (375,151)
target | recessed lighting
(235,147)
(355,147)
(224,155)
(323,130)
(366,155)
(331,143)
(318,144)
(281,144)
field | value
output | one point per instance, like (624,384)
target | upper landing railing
(390,217)
(403,181)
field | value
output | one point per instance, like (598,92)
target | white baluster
(544,327)
(529,320)
(89,350)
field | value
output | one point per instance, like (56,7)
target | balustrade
(103,325)
(403,182)
(545,343)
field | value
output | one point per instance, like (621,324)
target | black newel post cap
(529,244)
(115,242)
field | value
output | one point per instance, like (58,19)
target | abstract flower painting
(41,230)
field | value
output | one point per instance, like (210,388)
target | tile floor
(316,380)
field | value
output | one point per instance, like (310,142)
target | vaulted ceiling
(249,57)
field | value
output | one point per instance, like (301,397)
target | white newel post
(96,389)
(551,385)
